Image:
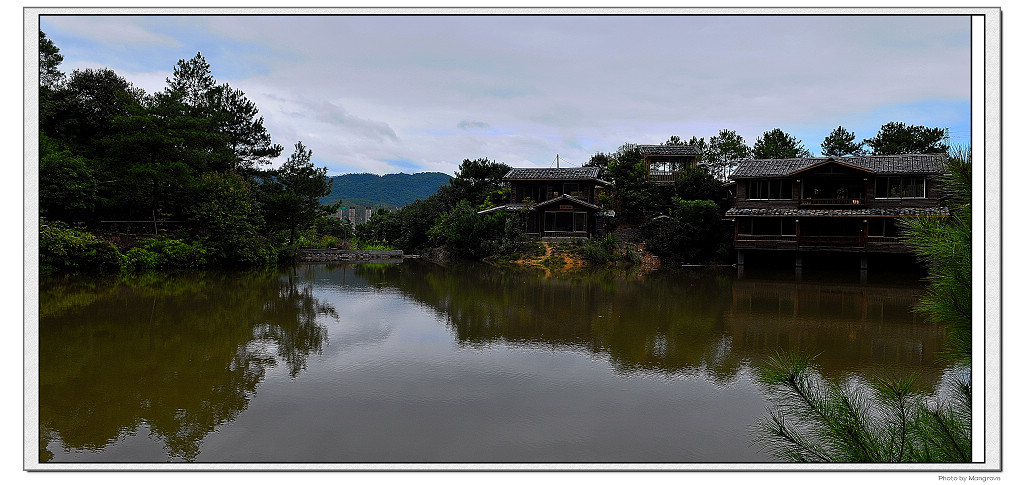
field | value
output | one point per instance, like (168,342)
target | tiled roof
(568,198)
(513,207)
(930,163)
(519,206)
(897,211)
(574,173)
(668,149)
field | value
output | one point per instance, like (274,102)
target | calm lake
(415,363)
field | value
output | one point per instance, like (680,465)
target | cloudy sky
(387,94)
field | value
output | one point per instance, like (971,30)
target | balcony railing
(837,241)
(565,234)
(806,202)
(662,176)
(762,237)
(831,241)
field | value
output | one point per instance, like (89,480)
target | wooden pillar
(799,259)
(739,257)
(863,262)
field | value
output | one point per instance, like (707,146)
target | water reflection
(685,321)
(181,354)
(182,357)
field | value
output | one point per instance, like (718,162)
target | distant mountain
(391,190)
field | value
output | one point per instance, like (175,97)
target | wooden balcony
(821,243)
(663,177)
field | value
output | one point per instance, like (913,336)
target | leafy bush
(598,250)
(470,234)
(372,246)
(162,253)
(691,232)
(328,242)
(178,253)
(406,228)
(141,259)
(63,248)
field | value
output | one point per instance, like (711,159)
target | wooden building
(556,202)
(844,204)
(666,162)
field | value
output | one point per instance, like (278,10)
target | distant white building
(354,215)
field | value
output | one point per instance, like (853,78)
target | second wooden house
(556,202)
(835,204)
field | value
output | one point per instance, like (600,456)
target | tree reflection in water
(691,321)
(190,364)
(179,357)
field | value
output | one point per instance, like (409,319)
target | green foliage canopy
(296,189)
(894,138)
(943,245)
(840,143)
(723,152)
(777,144)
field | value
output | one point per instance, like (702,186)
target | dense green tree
(50,76)
(776,143)
(405,228)
(229,133)
(894,138)
(192,83)
(724,151)
(690,232)
(190,117)
(601,161)
(700,144)
(841,143)
(67,185)
(94,116)
(82,112)
(238,119)
(294,194)
(698,184)
(634,191)
(228,218)
(190,154)
(475,181)
(467,233)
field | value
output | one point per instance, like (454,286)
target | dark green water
(417,363)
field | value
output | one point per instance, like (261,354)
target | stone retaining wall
(325,255)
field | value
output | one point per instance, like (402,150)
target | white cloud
(364,90)
(114,30)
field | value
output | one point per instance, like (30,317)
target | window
(770,189)
(571,189)
(772,226)
(899,187)
(882,227)
(565,221)
(580,222)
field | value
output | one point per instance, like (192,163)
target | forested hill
(391,190)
